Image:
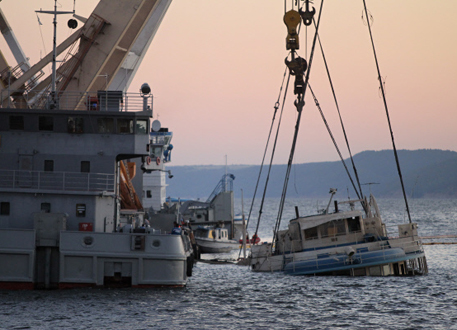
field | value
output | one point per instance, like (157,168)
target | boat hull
(216,246)
(342,262)
(400,256)
(90,259)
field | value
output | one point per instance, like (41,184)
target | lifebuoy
(158,161)
(148,160)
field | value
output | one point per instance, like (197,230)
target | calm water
(232,297)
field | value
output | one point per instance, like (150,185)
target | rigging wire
(297,126)
(360,196)
(333,139)
(272,156)
(276,107)
(388,117)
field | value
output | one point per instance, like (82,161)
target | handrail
(58,181)
(95,100)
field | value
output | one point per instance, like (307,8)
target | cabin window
(339,227)
(141,127)
(45,123)
(46,207)
(353,224)
(105,125)
(125,126)
(17,122)
(311,233)
(48,165)
(80,210)
(148,194)
(333,228)
(324,229)
(85,166)
(75,125)
(4,208)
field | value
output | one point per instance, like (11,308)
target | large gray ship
(69,145)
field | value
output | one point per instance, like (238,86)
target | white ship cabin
(329,230)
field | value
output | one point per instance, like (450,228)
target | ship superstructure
(69,215)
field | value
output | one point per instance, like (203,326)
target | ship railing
(89,101)
(56,181)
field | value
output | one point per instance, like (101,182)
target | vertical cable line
(387,113)
(272,156)
(276,107)
(341,122)
(333,139)
(297,126)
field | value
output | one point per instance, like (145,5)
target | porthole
(88,241)
(156,243)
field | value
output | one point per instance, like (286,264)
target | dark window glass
(75,125)
(148,194)
(17,122)
(311,233)
(46,207)
(85,166)
(105,125)
(125,126)
(353,224)
(4,208)
(141,127)
(49,165)
(46,123)
(80,210)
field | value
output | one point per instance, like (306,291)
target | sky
(216,67)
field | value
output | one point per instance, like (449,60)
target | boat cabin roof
(316,220)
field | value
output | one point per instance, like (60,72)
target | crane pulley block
(292,18)
(307,15)
(297,67)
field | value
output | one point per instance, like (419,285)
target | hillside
(426,173)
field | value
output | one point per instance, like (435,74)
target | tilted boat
(69,214)
(350,242)
(344,242)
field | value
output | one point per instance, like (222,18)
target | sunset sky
(215,68)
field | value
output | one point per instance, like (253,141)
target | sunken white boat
(351,242)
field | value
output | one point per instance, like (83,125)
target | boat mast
(54,46)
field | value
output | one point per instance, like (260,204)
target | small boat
(342,243)
(214,240)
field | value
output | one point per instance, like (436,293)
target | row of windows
(333,228)
(49,166)
(45,207)
(76,125)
